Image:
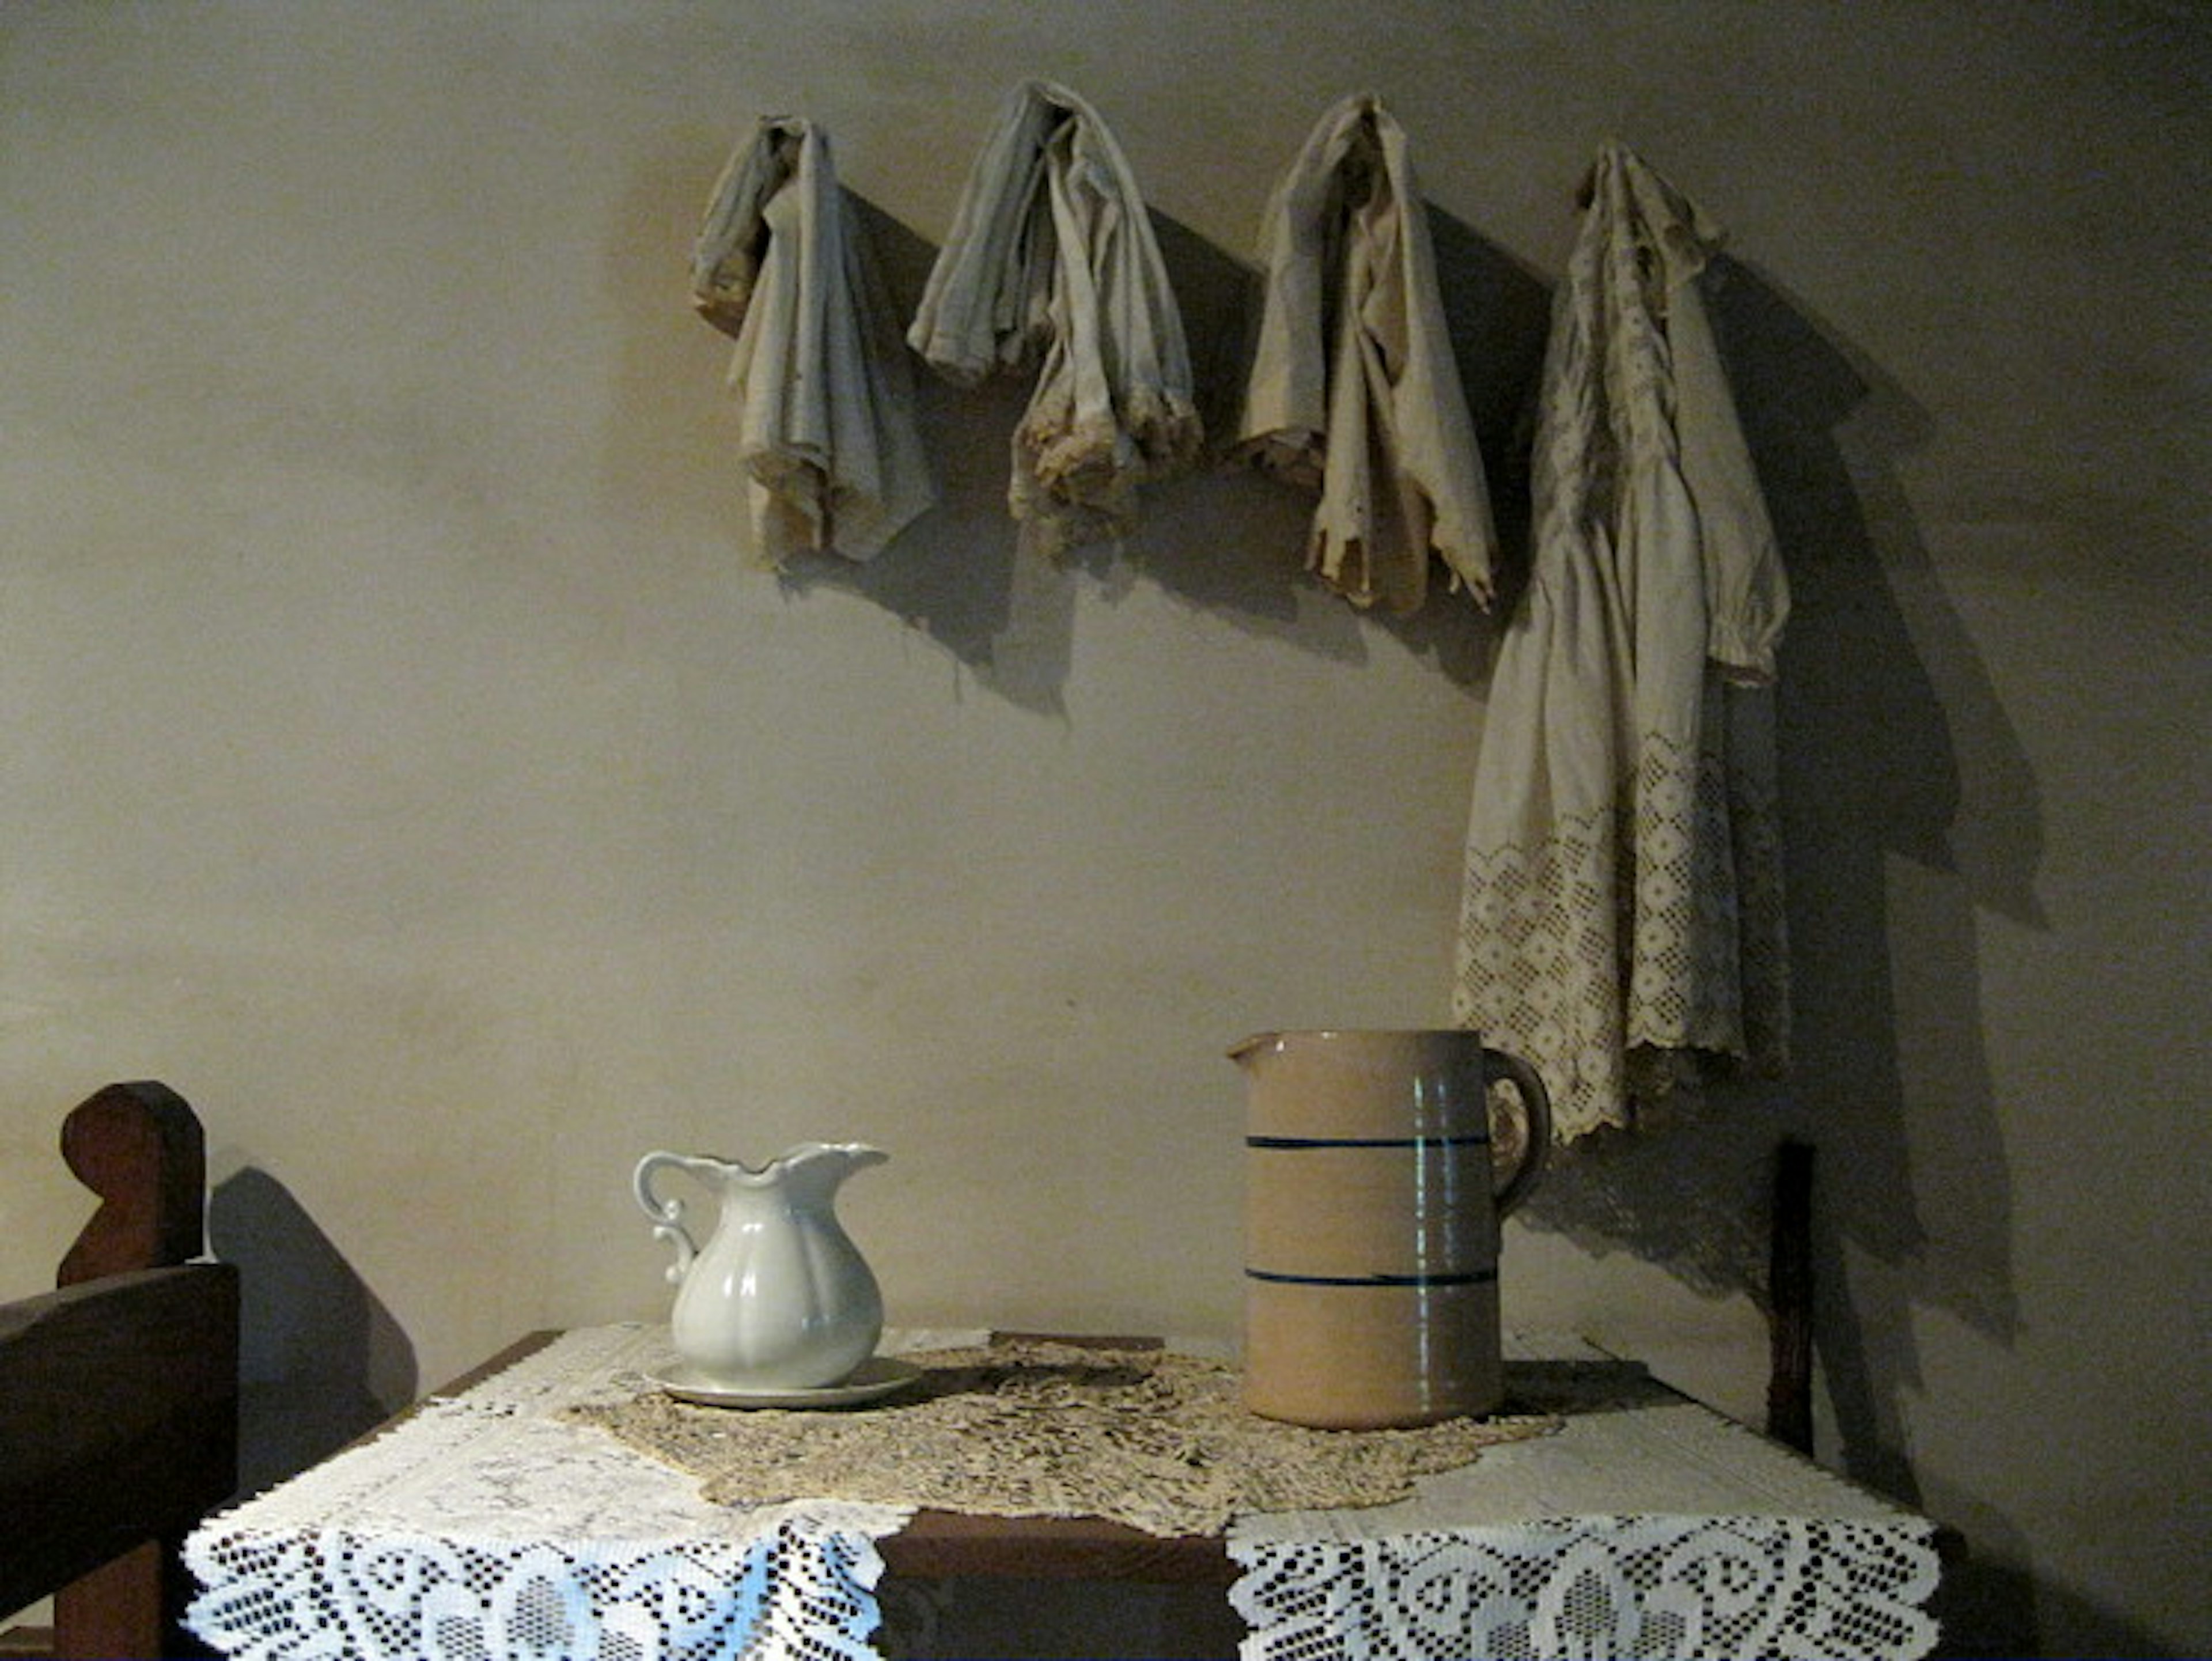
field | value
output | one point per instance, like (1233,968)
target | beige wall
(401,761)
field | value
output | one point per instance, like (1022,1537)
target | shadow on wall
(953,574)
(1995,1611)
(1008,616)
(320,1360)
(1908,801)
(1991,1607)
(1500,313)
(1884,711)
(1223,539)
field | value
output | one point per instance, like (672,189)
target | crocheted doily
(1154,1438)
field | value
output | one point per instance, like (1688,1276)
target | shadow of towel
(1891,854)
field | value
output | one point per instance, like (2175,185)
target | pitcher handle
(1536,1105)
(667,1214)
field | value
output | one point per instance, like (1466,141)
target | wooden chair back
(118,1392)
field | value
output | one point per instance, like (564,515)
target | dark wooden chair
(1789,1299)
(118,1392)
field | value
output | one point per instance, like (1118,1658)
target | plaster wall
(402,760)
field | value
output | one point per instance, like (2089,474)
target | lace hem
(1635,949)
(339,1595)
(1712,1588)
(434,1541)
(441,1553)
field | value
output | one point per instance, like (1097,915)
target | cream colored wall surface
(404,761)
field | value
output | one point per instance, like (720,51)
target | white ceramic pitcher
(779,1298)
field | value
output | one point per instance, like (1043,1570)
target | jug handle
(1536,1103)
(667,1214)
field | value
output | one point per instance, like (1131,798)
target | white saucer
(877,1376)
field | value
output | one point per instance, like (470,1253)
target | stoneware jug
(1371,1210)
(779,1298)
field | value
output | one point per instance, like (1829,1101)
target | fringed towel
(1622,919)
(1051,248)
(831,447)
(1353,374)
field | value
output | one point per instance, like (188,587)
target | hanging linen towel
(832,451)
(1051,249)
(1622,920)
(1354,374)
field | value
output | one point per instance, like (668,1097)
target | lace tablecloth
(489,1525)
(484,1528)
(1653,1529)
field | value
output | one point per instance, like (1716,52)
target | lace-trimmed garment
(1353,371)
(1621,922)
(833,455)
(1051,248)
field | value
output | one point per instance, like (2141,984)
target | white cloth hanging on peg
(1353,390)
(1622,920)
(1052,251)
(828,433)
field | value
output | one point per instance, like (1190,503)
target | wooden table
(1695,1537)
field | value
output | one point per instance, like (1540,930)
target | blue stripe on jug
(1477,1140)
(1467,1278)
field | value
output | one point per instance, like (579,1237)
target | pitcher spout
(818,1168)
(1245,1048)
